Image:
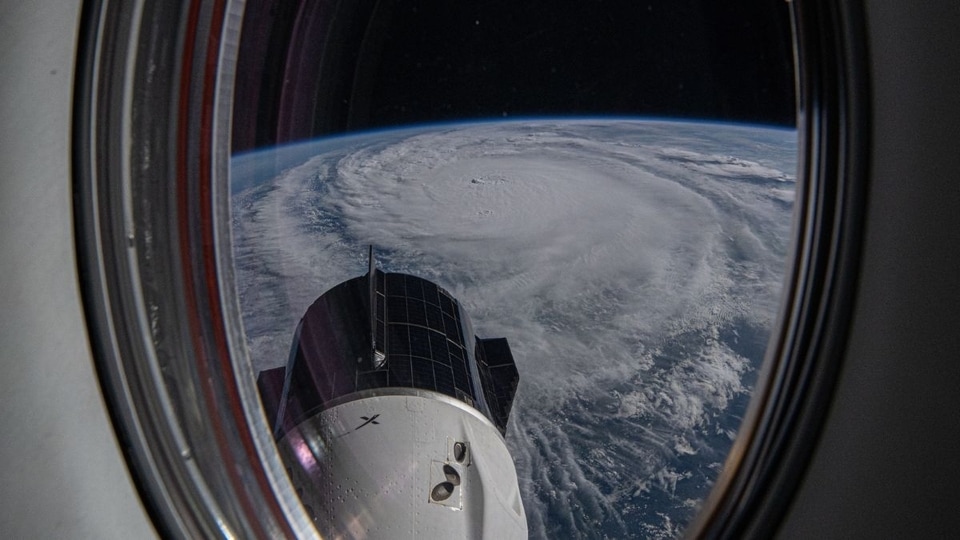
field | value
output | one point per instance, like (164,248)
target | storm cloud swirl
(634,266)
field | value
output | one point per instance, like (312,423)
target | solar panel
(419,333)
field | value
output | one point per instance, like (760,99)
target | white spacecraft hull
(405,463)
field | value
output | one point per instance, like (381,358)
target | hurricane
(634,266)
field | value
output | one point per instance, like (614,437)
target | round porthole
(453,477)
(459,451)
(186,167)
(442,491)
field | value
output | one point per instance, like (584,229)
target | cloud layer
(634,267)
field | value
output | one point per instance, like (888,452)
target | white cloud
(613,256)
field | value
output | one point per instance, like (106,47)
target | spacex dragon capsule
(390,415)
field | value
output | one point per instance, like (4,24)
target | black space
(328,67)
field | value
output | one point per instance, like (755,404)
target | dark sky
(311,68)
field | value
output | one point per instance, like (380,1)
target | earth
(634,266)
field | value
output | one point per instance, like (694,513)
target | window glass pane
(563,173)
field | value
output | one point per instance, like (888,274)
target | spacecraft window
(652,203)
(453,476)
(442,491)
(614,197)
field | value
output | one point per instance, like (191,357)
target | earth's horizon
(634,265)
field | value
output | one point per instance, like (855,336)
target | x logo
(369,420)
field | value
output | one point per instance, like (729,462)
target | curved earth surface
(633,265)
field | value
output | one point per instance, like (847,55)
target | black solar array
(419,331)
(425,343)
(499,377)
(381,314)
